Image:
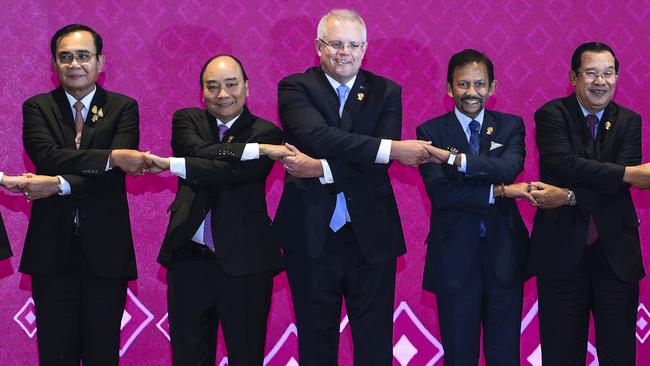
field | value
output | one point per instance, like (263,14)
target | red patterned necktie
(78,123)
(592,119)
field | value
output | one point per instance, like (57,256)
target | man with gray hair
(337,219)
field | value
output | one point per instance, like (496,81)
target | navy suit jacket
(459,201)
(309,108)
(569,159)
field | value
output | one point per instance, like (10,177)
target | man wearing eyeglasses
(337,218)
(585,246)
(79,249)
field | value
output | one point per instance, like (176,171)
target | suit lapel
(64,118)
(331,99)
(207,127)
(234,133)
(608,129)
(579,130)
(93,118)
(355,100)
(487,131)
(456,134)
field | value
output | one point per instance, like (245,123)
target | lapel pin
(489,130)
(94,118)
(360,96)
(230,138)
(94,109)
(608,125)
(100,113)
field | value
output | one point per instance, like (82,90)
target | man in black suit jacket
(477,240)
(224,274)
(78,249)
(585,246)
(337,218)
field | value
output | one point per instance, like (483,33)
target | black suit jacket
(98,195)
(568,158)
(460,201)
(234,190)
(5,248)
(308,107)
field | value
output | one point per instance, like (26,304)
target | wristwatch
(571,198)
(452,155)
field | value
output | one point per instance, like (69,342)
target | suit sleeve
(187,142)
(51,158)
(302,120)
(389,126)
(446,192)
(556,151)
(506,167)
(211,173)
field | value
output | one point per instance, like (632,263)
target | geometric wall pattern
(154,50)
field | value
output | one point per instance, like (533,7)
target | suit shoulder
(264,124)
(436,122)
(40,99)
(118,97)
(191,111)
(554,105)
(503,118)
(625,113)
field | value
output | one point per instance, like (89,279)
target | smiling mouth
(598,92)
(343,62)
(471,101)
(224,105)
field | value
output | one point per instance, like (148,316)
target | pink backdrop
(154,51)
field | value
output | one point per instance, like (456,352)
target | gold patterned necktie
(78,123)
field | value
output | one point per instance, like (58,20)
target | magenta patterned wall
(154,51)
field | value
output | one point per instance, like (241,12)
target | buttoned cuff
(64,186)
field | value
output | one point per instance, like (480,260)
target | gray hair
(343,14)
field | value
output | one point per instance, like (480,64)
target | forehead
(592,59)
(79,40)
(471,71)
(222,68)
(344,29)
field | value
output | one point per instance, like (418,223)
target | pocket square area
(495,145)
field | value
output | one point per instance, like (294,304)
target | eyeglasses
(593,75)
(338,45)
(82,57)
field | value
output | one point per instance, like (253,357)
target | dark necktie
(78,123)
(592,119)
(475,146)
(207,224)
(592,231)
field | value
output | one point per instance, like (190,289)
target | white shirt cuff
(1,176)
(64,186)
(491,200)
(327,177)
(177,167)
(108,164)
(383,154)
(251,152)
(463,164)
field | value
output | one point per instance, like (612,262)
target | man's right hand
(11,183)
(130,161)
(275,152)
(412,152)
(638,176)
(155,163)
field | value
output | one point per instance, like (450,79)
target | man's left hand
(548,196)
(36,187)
(301,165)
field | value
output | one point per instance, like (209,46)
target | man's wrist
(570,197)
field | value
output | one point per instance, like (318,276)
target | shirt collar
(229,123)
(85,100)
(335,84)
(585,112)
(464,120)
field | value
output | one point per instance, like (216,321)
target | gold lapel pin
(230,138)
(489,130)
(360,96)
(94,109)
(608,125)
(100,113)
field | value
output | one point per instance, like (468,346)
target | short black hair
(71,28)
(205,66)
(576,59)
(465,57)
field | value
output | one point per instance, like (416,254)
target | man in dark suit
(585,246)
(337,218)
(78,249)
(218,249)
(477,240)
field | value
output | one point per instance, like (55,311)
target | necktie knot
(474,137)
(222,131)
(342,92)
(474,127)
(78,106)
